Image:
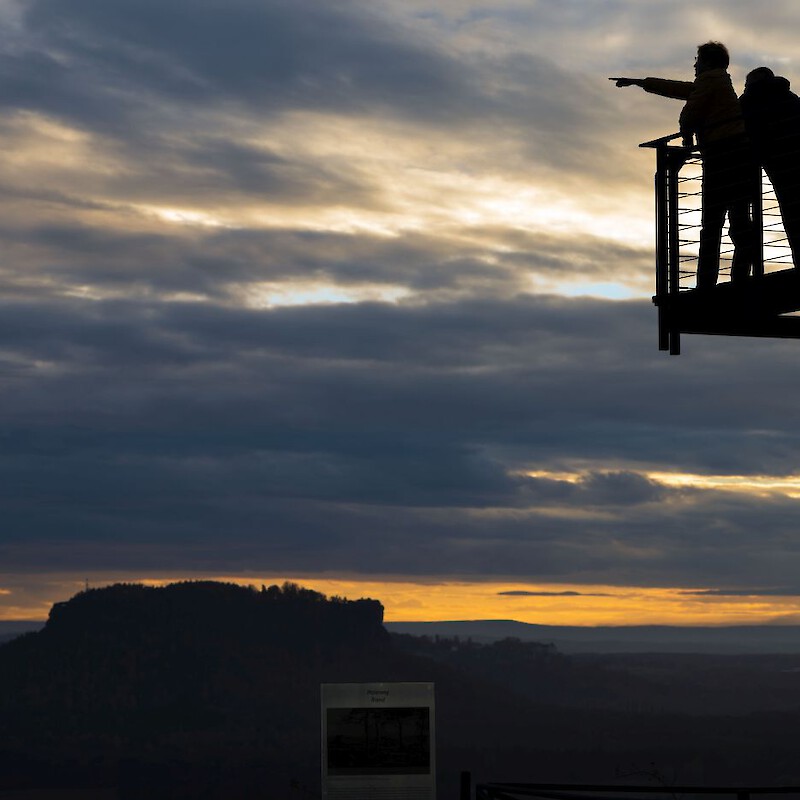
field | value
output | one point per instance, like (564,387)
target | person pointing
(711,114)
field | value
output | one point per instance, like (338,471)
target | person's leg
(713,217)
(744,180)
(785,177)
(742,233)
(790,211)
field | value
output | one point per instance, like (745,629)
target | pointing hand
(627,81)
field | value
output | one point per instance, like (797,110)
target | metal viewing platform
(759,305)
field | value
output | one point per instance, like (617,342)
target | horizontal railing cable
(513,791)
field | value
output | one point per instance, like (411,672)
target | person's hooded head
(758,76)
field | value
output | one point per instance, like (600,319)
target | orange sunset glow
(433,600)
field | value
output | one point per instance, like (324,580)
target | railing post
(466,786)
(673,167)
(758,223)
(662,269)
(668,162)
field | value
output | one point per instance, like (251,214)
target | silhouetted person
(713,115)
(772,118)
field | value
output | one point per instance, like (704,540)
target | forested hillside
(212,690)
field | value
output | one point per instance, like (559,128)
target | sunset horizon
(361,295)
(571,605)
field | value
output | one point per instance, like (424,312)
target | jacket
(772,118)
(712,109)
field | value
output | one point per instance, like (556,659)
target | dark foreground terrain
(208,690)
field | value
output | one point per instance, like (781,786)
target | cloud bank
(338,288)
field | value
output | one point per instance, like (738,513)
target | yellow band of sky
(431,600)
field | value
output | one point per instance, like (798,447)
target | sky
(358,294)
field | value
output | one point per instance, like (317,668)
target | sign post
(378,741)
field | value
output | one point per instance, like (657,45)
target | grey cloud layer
(107,65)
(218,263)
(134,70)
(140,433)
(377,438)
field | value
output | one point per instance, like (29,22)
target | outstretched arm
(679,90)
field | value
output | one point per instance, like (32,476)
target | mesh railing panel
(777,253)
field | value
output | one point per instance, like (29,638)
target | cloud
(182,93)
(522,593)
(375,438)
(768,592)
(268,57)
(220,263)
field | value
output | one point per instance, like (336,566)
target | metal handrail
(563,791)
(661,140)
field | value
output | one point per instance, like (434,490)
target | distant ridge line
(723,639)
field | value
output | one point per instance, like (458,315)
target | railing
(777,253)
(678,190)
(565,791)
